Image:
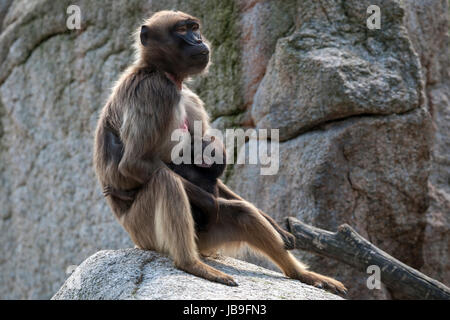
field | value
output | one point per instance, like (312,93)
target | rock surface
(353,106)
(331,68)
(146,275)
(361,171)
(363,116)
(428,28)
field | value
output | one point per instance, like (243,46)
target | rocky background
(363,114)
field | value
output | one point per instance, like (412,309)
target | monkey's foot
(204,271)
(287,236)
(322,282)
(212,255)
(288,239)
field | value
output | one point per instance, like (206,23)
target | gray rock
(53,82)
(4,6)
(333,67)
(262,24)
(369,172)
(145,275)
(428,30)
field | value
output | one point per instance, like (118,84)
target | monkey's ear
(145,35)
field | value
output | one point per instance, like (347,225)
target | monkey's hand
(107,191)
(120,194)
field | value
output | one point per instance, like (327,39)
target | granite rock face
(429,33)
(333,67)
(353,107)
(370,172)
(134,274)
(363,118)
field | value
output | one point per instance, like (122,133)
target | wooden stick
(347,246)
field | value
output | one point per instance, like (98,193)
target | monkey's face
(190,43)
(173,42)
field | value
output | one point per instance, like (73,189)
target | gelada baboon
(133,149)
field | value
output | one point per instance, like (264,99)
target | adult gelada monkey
(133,147)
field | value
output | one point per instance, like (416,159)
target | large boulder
(146,275)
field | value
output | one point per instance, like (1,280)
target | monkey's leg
(160,219)
(288,238)
(240,221)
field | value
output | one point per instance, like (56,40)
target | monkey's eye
(195,27)
(181,30)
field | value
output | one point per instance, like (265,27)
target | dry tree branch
(347,246)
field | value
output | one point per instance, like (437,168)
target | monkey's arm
(196,195)
(288,238)
(143,130)
(137,167)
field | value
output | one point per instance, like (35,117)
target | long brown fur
(132,150)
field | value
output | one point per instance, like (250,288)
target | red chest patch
(185,125)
